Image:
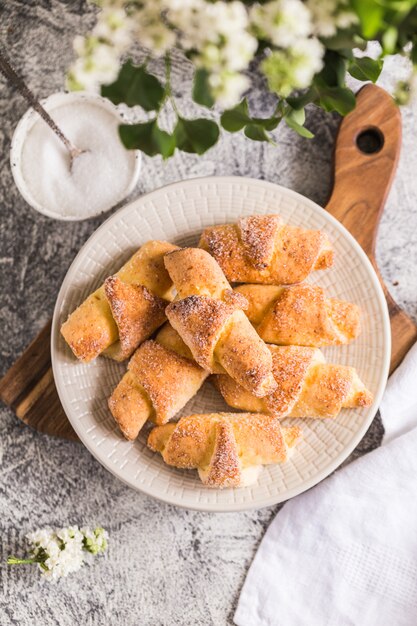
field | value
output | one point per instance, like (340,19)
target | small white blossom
(99,66)
(114,27)
(61,552)
(95,541)
(282,22)
(151,30)
(217,34)
(227,88)
(293,68)
(99,52)
(330,15)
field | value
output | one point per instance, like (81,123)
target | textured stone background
(165,566)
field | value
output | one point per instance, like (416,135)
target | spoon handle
(7,70)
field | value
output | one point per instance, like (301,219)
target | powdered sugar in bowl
(99,179)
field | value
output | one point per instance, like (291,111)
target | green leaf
(299,128)
(340,99)
(343,41)
(147,137)
(201,89)
(298,102)
(365,68)
(235,119)
(389,40)
(133,86)
(256,133)
(371,15)
(195,136)
(334,71)
(269,123)
(298,115)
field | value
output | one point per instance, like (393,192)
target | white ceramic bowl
(24,126)
(178,213)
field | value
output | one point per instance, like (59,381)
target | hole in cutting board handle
(370,140)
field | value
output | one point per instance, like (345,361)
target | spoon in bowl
(7,70)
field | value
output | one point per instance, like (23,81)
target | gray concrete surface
(165,566)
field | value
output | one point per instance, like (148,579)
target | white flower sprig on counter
(62,551)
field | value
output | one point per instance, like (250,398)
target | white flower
(95,541)
(330,15)
(201,22)
(282,22)
(217,34)
(115,28)
(150,29)
(293,68)
(238,51)
(228,87)
(99,53)
(100,67)
(61,552)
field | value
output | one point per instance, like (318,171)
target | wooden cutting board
(365,159)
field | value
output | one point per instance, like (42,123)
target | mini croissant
(307,386)
(161,378)
(125,310)
(228,449)
(262,249)
(209,318)
(300,315)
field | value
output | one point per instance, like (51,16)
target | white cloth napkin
(345,552)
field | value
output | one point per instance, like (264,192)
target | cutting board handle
(366,155)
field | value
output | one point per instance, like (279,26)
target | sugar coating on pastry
(262,249)
(307,386)
(125,310)
(226,448)
(161,378)
(209,317)
(300,315)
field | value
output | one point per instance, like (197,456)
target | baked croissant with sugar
(160,379)
(125,310)
(307,386)
(300,315)
(227,449)
(263,249)
(208,316)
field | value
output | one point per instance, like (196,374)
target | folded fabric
(345,552)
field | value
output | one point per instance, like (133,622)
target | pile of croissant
(260,341)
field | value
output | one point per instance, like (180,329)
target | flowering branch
(60,552)
(305,48)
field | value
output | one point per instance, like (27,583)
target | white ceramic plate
(178,213)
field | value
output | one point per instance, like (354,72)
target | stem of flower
(12,560)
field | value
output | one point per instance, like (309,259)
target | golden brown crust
(168,378)
(224,468)
(130,406)
(300,315)
(307,386)
(195,273)
(257,235)
(261,249)
(91,328)
(169,338)
(137,313)
(208,316)
(147,267)
(223,445)
(159,382)
(244,356)
(199,321)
